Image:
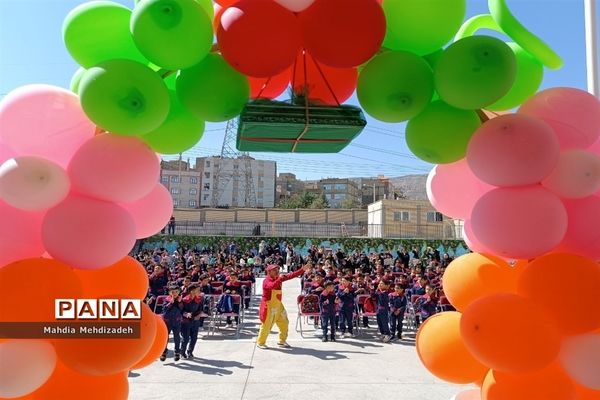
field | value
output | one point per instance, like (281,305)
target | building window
(207,175)
(193,192)
(341,186)
(236,166)
(175,203)
(327,187)
(192,203)
(328,196)
(434,217)
(207,164)
(175,190)
(341,196)
(164,179)
(401,216)
(207,186)
(205,197)
(193,180)
(175,179)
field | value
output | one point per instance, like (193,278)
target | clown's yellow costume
(272,310)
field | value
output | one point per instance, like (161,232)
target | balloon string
(326,81)
(264,86)
(294,80)
(99,131)
(306,112)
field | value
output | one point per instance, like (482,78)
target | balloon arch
(79,172)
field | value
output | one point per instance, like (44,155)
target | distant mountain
(413,186)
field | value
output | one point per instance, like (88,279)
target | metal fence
(434,231)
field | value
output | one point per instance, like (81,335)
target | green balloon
(207,6)
(441,133)
(213,90)
(475,72)
(530,73)
(180,131)
(422,26)
(395,86)
(76,80)
(99,31)
(124,97)
(173,34)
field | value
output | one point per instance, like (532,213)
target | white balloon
(26,365)
(295,5)
(580,357)
(33,183)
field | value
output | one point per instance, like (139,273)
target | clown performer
(271,307)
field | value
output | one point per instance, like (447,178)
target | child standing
(381,295)
(172,315)
(398,304)
(192,311)
(346,296)
(328,301)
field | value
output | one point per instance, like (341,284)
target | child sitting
(328,301)
(398,304)
(172,315)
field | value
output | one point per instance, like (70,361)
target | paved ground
(230,369)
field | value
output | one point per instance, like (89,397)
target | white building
(264,174)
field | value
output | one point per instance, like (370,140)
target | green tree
(349,203)
(319,202)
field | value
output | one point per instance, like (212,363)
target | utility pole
(591,45)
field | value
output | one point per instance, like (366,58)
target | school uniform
(347,309)
(172,315)
(398,305)
(191,325)
(383,311)
(328,311)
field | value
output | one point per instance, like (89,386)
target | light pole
(591,43)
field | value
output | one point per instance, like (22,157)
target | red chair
(159,302)
(308,306)
(360,303)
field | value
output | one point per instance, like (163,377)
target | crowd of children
(390,283)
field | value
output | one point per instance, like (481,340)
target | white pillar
(591,45)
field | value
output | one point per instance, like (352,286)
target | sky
(32,51)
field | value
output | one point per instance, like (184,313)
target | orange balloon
(29,287)
(550,383)
(543,282)
(126,279)
(509,333)
(160,339)
(442,351)
(66,384)
(584,393)
(475,275)
(108,356)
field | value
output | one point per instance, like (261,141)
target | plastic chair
(360,302)
(159,302)
(219,316)
(304,311)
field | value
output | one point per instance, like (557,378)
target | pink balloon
(453,189)
(583,235)
(6,153)
(513,150)
(519,223)
(20,234)
(577,175)
(152,212)
(573,113)
(114,168)
(471,240)
(45,121)
(88,233)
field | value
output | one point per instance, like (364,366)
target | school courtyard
(228,368)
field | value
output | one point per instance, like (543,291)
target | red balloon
(271,87)
(226,3)
(259,38)
(219,10)
(320,84)
(343,33)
